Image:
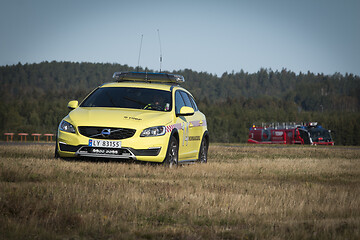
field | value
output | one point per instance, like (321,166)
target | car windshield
(126,97)
(316,133)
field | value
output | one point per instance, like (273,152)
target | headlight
(153,131)
(66,127)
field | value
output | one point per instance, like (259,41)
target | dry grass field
(244,192)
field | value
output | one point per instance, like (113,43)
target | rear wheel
(203,153)
(171,159)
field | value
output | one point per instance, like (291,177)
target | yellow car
(141,116)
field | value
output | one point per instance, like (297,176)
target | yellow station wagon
(141,116)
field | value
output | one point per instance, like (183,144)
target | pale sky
(320,36)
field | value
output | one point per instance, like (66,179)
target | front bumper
(135,148)
(121,153)
(324,143)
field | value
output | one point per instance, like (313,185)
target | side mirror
(73,104)
(186,111)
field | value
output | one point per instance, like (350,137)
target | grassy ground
(244,192)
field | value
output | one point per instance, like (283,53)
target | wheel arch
(207,137)
(202,158)
(175,134)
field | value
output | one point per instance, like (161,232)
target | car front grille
(115,133)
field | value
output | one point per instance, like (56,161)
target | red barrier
(23,135)
(48,135)
(36,135)
(11,135)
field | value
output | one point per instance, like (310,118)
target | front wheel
(171,159)
(56,155)
(203,153)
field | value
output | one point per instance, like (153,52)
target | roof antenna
(160,49)
(138,65)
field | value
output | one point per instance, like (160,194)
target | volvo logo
(105,133)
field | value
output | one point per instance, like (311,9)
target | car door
(191,126)
(183,121)
(196,122)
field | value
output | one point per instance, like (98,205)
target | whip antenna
(160,48)
(138,65)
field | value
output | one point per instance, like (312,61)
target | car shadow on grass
(110,160)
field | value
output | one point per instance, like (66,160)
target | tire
(203,152)
(56,155)
(172,154)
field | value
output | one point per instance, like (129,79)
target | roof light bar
(148,77)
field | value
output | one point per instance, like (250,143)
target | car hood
(118,117)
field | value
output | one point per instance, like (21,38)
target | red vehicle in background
(290,133)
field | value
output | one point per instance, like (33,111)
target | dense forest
(34,97)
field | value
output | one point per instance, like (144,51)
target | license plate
(105,151)
(104,143)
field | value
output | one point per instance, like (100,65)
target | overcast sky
(320,36)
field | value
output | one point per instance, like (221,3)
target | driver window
(186,99)
(179,102)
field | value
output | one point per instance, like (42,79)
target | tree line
(34,98)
